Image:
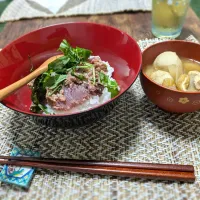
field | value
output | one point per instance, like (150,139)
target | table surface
(137,24)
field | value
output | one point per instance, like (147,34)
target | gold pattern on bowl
(170,99)
(196,102)
(157,92)
(184,100)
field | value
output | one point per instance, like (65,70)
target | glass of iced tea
(168,17)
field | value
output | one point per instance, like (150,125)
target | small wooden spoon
(15,86)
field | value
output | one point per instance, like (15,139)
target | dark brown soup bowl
(168,99)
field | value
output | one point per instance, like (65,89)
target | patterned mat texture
(136,130)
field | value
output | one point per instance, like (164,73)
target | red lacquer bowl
(111,44)
(167,99)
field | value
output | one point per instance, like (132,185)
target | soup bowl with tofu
(170,75)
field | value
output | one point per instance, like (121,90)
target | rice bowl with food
(74,82)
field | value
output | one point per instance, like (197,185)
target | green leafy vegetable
(83,54)
(75,62)
(76,55)
(57,73)
(79,76)
(38,108)
(53,81)
(85,65)
(111,84)
(64,47)
(38,92)
(38,95)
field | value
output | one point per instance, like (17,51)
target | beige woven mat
(136,130)
(20,9)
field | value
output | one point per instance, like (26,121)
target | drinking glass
(168,17)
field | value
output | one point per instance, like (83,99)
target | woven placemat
(22,9)
(136,130)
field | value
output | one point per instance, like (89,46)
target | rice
(93,101)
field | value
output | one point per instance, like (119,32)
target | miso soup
(173,72)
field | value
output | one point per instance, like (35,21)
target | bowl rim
(169,41)
(95,107)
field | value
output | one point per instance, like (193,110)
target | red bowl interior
(111,44)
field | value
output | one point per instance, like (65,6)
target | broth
(187,80)
(190,65)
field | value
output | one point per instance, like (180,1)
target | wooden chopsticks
(127,169)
